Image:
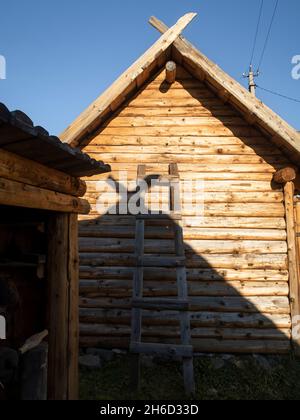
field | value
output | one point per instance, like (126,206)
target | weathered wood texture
(63,310)
(237,255)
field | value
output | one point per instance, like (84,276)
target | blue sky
(61,54)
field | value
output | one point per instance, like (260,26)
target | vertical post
(73,279)
(63,307)
(251,80)
(289,190)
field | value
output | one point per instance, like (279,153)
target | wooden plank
(137,293)
(292,257)
(22,170)
(58,311)
(73,329)
(63,311)
(18,194)
(84,122)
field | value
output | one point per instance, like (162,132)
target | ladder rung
(166,262)
(170,216)
(165,349)
(169,178)
(161,304)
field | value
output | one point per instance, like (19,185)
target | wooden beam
(125,84)
(63,307)
(285,175)
(171,72)
(292,257)
(73,331)
(23,170)
(280,131)
(19,194)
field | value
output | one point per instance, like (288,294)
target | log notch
(285,175)
(171,72)
(63,310)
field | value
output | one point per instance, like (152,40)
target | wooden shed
(242,255)
(40,190)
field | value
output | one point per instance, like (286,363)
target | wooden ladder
(181,304)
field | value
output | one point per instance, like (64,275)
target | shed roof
(19,135)
(173,45)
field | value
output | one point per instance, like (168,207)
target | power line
(279,94)
(256,32)
(268,35)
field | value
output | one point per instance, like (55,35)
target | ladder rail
(180,304)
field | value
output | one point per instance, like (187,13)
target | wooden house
(242,255)
(40,190)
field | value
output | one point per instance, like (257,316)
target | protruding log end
(171,72)
(285,175)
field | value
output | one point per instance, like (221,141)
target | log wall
(237,254)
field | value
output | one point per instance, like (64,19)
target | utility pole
(251,80)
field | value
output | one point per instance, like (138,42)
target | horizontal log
(183,150)
(190,222)
(184,131)
(201,93)
(18,194)
(273,305)
(156,196)
(176,121)
(92,272)
(181,111)
(191,158)
(90,330)
(225,209)
(231,261)
(16,168)
(123,288)
(170,102)
(191,246)
(203,168)
(189,233)
(181,141)
(204,346)
(198,319)
(209,185)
